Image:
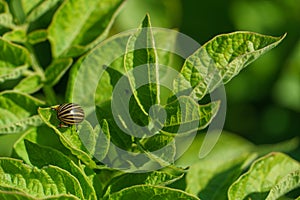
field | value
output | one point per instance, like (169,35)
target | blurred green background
(263,101)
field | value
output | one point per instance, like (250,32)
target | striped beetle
(69,114)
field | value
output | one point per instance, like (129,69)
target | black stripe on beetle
(69,113)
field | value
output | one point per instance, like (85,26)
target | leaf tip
(283,36)
(146,21)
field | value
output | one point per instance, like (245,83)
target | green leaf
(285,185)
(112,76)
(151,178)
(28,6)
(37,36)
(150,192)
(159,141)
(78,25)
(40,9)
(3,7)
(140,66)
(6,19)
(12,56)
(45,182)
(165,150)
(211,176)
(103,141)
(30,84)
(21,125)
(89,84)
(18,111)
(18,105)
(17,35)
(85,143)
(68,136)
(140,50)
(41,135)
(117,136)
(185,115)
(43,156)
(262,176)
(222,58)
(166,43)
(104,176)
(7,195)
(210,179)
(9,73)
(90,67)
(17,12)
(56,70)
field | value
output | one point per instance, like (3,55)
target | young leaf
(30,84)
(40,9)
(151,192)
(6,19)
(78,23)
(28,6)
(17,35)
(43,156)
(13,55)
(140,50)
(151,178)
(285,185)
(263,175)
(185,115)
(44,182)
(37,36)
(222,58)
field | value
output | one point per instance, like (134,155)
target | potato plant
(142,101)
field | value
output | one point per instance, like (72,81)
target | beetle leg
(62,125)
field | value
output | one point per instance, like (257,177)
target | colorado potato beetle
(69,114)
